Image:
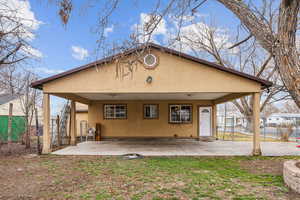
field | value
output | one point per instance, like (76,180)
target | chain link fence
(240,128)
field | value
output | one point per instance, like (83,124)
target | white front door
(205,124)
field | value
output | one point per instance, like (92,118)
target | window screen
(180,113)
(150,111)
(115,111)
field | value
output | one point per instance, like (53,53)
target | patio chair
(90,133)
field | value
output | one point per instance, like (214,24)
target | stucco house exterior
(151,92)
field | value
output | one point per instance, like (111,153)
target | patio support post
(256,124)
(73,123)
(46,124)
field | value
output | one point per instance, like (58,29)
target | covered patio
(156,147)
(178,147)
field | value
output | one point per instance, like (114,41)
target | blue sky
(55,41)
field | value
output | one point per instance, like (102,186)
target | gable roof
(39,84)
(5,98)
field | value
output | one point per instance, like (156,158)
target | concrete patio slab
(178,148)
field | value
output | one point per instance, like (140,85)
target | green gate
(18,127)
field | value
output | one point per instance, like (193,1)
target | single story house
(277,119)
(151,92)
(18,118)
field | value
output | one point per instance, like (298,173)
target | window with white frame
(115,111)
(150,111)
(180,113)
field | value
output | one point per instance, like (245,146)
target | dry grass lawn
(98,177)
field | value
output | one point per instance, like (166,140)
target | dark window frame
(115,117)
(157,109)
(180,122)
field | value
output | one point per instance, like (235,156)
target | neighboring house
(231,120)
(167,94)
(18,120)
(6,99)
(283,119)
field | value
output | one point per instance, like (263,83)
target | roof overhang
(212,97)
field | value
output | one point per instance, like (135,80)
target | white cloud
(147,23)
(108,30)
(196,36)
(183,34)
(19,18)
(32,52)
(21,11)
(46,70)
(79,53)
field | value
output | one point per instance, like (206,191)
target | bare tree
(279,40)
(29,99)
(9,82)
(247,57)
(290,107)
(15,35)
(16,81)
(269,109)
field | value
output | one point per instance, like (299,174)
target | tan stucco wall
(136,126)
(173,74)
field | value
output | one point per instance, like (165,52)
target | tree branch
(241,42)
(256,26)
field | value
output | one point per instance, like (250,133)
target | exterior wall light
(149,79)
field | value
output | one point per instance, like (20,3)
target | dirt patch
(298,164)
(16,149)
(26,177)
(272,166)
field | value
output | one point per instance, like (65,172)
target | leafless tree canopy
(290,107)
(16,81)
(15,34)
(273,24)
(247,57)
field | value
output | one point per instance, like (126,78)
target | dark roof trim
(39,84)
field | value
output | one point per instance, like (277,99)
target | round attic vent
(150,61)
